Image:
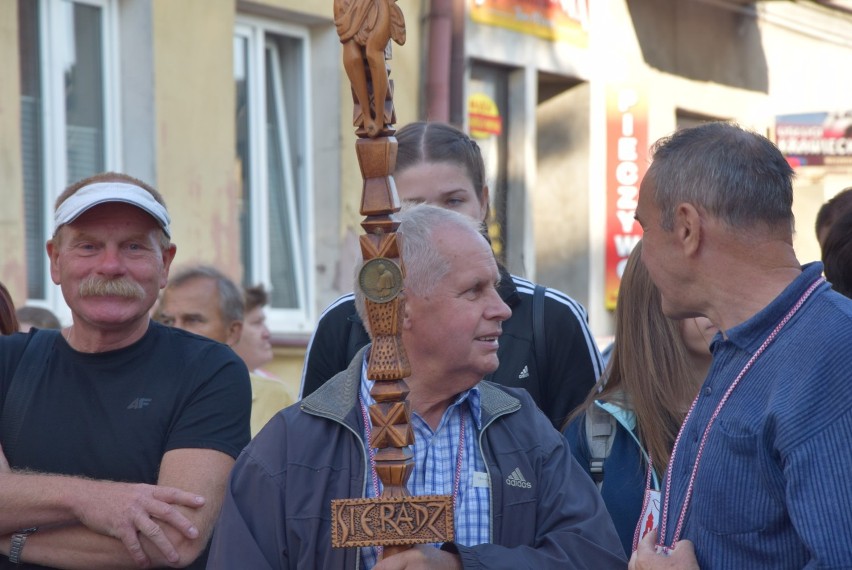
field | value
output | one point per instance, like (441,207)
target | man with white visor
(117,433)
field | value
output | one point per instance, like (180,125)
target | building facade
(583,87)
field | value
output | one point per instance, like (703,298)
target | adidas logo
(525,373)
(515,479)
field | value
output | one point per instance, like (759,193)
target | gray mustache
(97,287)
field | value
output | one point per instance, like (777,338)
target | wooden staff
(396,520)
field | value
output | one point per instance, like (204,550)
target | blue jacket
(277,510)
(625,469)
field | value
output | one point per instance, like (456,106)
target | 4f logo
(139,403)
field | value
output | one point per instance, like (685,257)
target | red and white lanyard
(690,487)
(637,533)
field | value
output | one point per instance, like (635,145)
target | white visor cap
(102,192)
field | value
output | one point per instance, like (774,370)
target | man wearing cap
(119,432)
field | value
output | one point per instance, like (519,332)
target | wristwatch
(18,541)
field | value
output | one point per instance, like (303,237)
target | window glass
(32,157)
(493,81)
(282,237)
(84,93)
(241,76)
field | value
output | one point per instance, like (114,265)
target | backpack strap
(23,385)
(600,432)
(539,341)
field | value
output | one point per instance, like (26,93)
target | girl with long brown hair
(656,367)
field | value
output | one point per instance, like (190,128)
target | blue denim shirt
(773,488)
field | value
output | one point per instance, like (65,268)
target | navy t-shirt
(113,415)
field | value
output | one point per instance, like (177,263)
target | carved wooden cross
(395,520)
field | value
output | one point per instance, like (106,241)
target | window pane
(84,94)
(284,292)
(32,159)
(293,78)
(241,80)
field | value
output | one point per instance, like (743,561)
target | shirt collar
(750,334)
(472,395)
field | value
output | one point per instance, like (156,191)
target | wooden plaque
(388,521)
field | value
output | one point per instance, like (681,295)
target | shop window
(492,83)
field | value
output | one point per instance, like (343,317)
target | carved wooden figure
(395,520)
(365,28)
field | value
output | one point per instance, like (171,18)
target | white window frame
(53,37)
(254,31)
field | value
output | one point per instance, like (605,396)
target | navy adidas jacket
(277,511)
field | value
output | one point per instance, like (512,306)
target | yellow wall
(195,129)
(316,8)
(287,366)
(12,258)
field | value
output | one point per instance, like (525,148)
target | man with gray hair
(759,473)
(119,432)
(203,300)
(520,498)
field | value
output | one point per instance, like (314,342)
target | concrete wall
(723,60)
(178,132)
(700,41)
